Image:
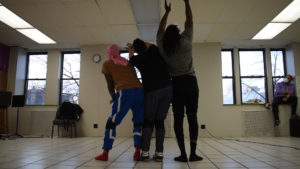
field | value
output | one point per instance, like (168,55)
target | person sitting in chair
(284,94)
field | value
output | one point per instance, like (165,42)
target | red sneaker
(103,156)
(137,153)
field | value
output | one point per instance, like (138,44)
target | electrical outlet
(203,126)
(95,125)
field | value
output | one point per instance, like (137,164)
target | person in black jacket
(158,93)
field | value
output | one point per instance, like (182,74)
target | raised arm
(130,49)
(188,14)
(164,19)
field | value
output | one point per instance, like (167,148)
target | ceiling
(73,23)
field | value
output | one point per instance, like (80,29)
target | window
(70,75)
(253,76)
(125,55)
(278,66)
(35,81)
(228,77)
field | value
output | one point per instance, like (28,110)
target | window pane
(277,63)
(253,90)
(70,91)
(37,66)
(251,63)
(71,67)
(226,63)
(227,91)
(36,92)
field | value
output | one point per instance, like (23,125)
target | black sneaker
(145,156)
(158,156)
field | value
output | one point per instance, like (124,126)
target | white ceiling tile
(206,11)
(102,34)
(235,11)
(86,12)
(117,11)
(125,33)
(220,32)
(201,32)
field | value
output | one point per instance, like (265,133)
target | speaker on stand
(18,101)
(5,102)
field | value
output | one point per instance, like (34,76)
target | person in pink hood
(126,93)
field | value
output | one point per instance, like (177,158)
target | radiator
(41,122)
(258,123)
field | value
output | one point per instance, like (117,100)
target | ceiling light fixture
(290,14)
(11,19)
(283,20)
(36,35)
(270,31)
(14,21)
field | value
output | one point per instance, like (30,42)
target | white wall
(221,120)
(296,51)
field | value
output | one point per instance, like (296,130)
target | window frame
(35,79)
(284,65)
(263,50)
(61,79)
(230,77)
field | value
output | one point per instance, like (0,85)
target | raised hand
(167,7)
(129,47)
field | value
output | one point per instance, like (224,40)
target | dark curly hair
(171,39)
(139,46)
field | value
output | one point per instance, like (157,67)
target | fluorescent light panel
(36,35)
(270,31)
(290,14)
(14,21)
(283,20)
(11,19)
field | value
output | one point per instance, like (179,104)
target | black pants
(278,100)
(185,100)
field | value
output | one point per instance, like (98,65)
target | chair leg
(75,129)
(58,129)
(71,129)
(52,130)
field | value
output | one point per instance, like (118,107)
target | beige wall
(296,51)
(94,98)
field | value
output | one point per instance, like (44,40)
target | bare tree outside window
(36,78)
(70,76)
(278,66)
(253,79)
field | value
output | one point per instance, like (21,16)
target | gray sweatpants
(157,104)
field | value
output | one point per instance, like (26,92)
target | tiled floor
(67,153)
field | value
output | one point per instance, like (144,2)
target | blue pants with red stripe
(123,101)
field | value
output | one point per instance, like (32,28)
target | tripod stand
(5,102)
(17,134)
(18,101)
